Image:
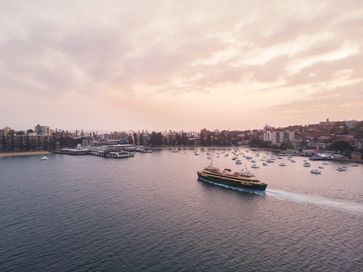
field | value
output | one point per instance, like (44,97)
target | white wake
(344,205)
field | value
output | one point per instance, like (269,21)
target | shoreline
(23,153)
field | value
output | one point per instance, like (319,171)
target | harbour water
(149,213)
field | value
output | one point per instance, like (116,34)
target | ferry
(243,179)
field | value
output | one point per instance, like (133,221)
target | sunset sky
(119,65)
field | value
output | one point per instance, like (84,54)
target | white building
(41,130)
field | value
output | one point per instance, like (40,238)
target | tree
(341,146)
(255,142)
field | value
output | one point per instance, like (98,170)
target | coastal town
(341,140)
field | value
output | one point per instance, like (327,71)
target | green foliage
(341,146)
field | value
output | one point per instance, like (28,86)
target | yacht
(342,169)
(315,171)
(44,158)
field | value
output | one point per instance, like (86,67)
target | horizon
(155,130)
(180,65)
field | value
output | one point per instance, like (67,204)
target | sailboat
(342,168)
(315,171)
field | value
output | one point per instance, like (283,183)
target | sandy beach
(23,153)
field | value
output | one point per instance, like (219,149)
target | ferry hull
(260,187)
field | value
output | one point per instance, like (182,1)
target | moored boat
(342,169)
(315,172)
(242,179)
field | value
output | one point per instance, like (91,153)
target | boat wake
(338,204)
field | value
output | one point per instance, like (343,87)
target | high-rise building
(124,138)
(41,130)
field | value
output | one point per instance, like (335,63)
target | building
(41,130)
(351,123)
(279,137)
(124,138)
(267,136)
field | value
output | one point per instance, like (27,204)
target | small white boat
(307,164)
(44,158)
(342,169)
(315,172)
(291,159)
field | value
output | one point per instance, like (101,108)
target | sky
(183,65)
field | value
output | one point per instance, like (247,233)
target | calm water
(149,213)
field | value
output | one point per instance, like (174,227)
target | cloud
(166,50)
